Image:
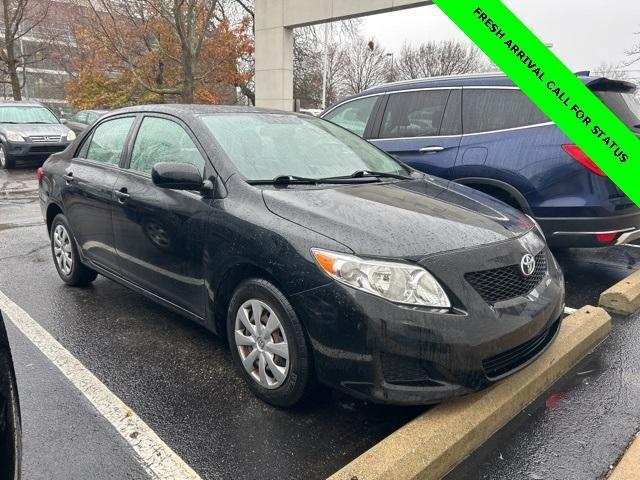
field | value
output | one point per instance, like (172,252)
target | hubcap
(62,249)
(262,344)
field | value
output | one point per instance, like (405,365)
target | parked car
(30,132)
(482,131)
(315,254)
(82,119)
(10,431)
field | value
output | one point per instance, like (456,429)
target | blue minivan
(482,131)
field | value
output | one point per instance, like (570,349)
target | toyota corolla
(316,255)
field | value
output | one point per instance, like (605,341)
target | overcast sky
(585,33)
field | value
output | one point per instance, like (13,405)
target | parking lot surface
(180,380)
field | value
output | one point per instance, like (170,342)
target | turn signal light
(578,155)
(39,173)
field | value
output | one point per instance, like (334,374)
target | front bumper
(376,350)
(34,151)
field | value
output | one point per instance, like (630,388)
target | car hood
(30,129)
(408,219)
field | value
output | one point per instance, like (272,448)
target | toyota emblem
(528,265)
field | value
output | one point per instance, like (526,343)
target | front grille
(47,148)
(500,284)
(45,138)
(510,360)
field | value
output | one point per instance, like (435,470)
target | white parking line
(569,311)
(155,456)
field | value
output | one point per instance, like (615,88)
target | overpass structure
(275,21)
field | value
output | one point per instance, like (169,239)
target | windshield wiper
(369,173)
(45,123)
(285,180)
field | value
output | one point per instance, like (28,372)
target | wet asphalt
(180,380)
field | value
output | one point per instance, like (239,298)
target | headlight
(538,227)
(14,137)
(71,136)
(396,282)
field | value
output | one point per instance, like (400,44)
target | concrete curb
(624,297)
(18,191)
(628,468)
(435,442)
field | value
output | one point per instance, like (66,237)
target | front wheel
(5,161)
(268,344)
(65,255)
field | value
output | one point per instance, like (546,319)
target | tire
(6,162)
(65,255)
(294,378)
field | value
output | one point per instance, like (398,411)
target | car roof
(470,80)
(194,109)
(19,103)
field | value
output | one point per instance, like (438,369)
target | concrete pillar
(274,57)
(275,20)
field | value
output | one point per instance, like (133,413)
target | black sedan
(10,446)
(318,256)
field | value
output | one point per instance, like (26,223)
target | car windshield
(270,145)
(24,114)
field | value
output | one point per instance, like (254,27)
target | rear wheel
(268,344)
(6,162)
(65,255)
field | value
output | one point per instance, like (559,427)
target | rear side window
(414,114)
(80,117)
(107,141)
(353,115)
(624,105)
(498,109)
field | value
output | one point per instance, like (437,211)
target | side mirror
(63,121)
(176,176)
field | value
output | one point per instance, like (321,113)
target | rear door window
(488,110)
(414,114)
(353,115)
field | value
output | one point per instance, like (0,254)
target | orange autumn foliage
(141,62)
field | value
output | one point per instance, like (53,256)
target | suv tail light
(578,155)
(606,238)
(39,173)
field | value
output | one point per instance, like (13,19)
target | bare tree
(365,64)
(439,58)
(611,70)
(20,19)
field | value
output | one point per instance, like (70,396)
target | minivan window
(624,104)
(161,140)
(353,115)
(414,114)
(487,110)
(266,146)
(108,140)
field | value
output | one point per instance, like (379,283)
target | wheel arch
(52,210)
(228,284)
(491,186)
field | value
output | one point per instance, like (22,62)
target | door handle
(68,177)
(432,149)
(122,195)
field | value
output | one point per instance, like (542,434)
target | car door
(422,128)
(504,139)
(88,193)
(159,233)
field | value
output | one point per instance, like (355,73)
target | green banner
(552,87)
